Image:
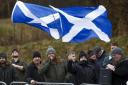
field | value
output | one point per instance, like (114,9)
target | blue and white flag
(73,24)
(80,24)
(38,16)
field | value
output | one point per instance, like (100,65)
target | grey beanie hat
(117,51)
(50,50)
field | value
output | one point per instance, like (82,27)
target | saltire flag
(84,23)
(72,24)
(38,16)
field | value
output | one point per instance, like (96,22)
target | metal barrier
(127,83)
(43,83)
(52,83)
(40,83)
(89,84)
(3,83)
(17,82)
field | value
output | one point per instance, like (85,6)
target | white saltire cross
(43,20)
(84,23)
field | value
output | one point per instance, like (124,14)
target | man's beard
(2,63)
(83,63)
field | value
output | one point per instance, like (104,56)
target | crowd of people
(95,66)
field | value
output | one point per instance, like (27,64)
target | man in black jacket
(83,72)
(7,73)
(100,55)
(33,75)
(92,61)
(119,66)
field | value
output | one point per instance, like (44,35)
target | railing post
(3,83)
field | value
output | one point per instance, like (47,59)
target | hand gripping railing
(3,83)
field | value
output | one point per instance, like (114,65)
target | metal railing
(17,82)
(52,83)
(40,83)
(127,83)
(3,83)
(89,84)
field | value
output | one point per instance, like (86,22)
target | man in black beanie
(3,58)
(83,72)
(33,75)
(7,73)
(100,55)
(92,61)
(91,57)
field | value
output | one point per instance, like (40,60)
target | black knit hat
(82,54)
(36,54)
(91,53)
(3,55)
(15,50)
(97,49)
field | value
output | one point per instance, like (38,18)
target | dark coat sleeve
(72,67)
(14,74)
(122,69)
(28,76)
(24,66)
